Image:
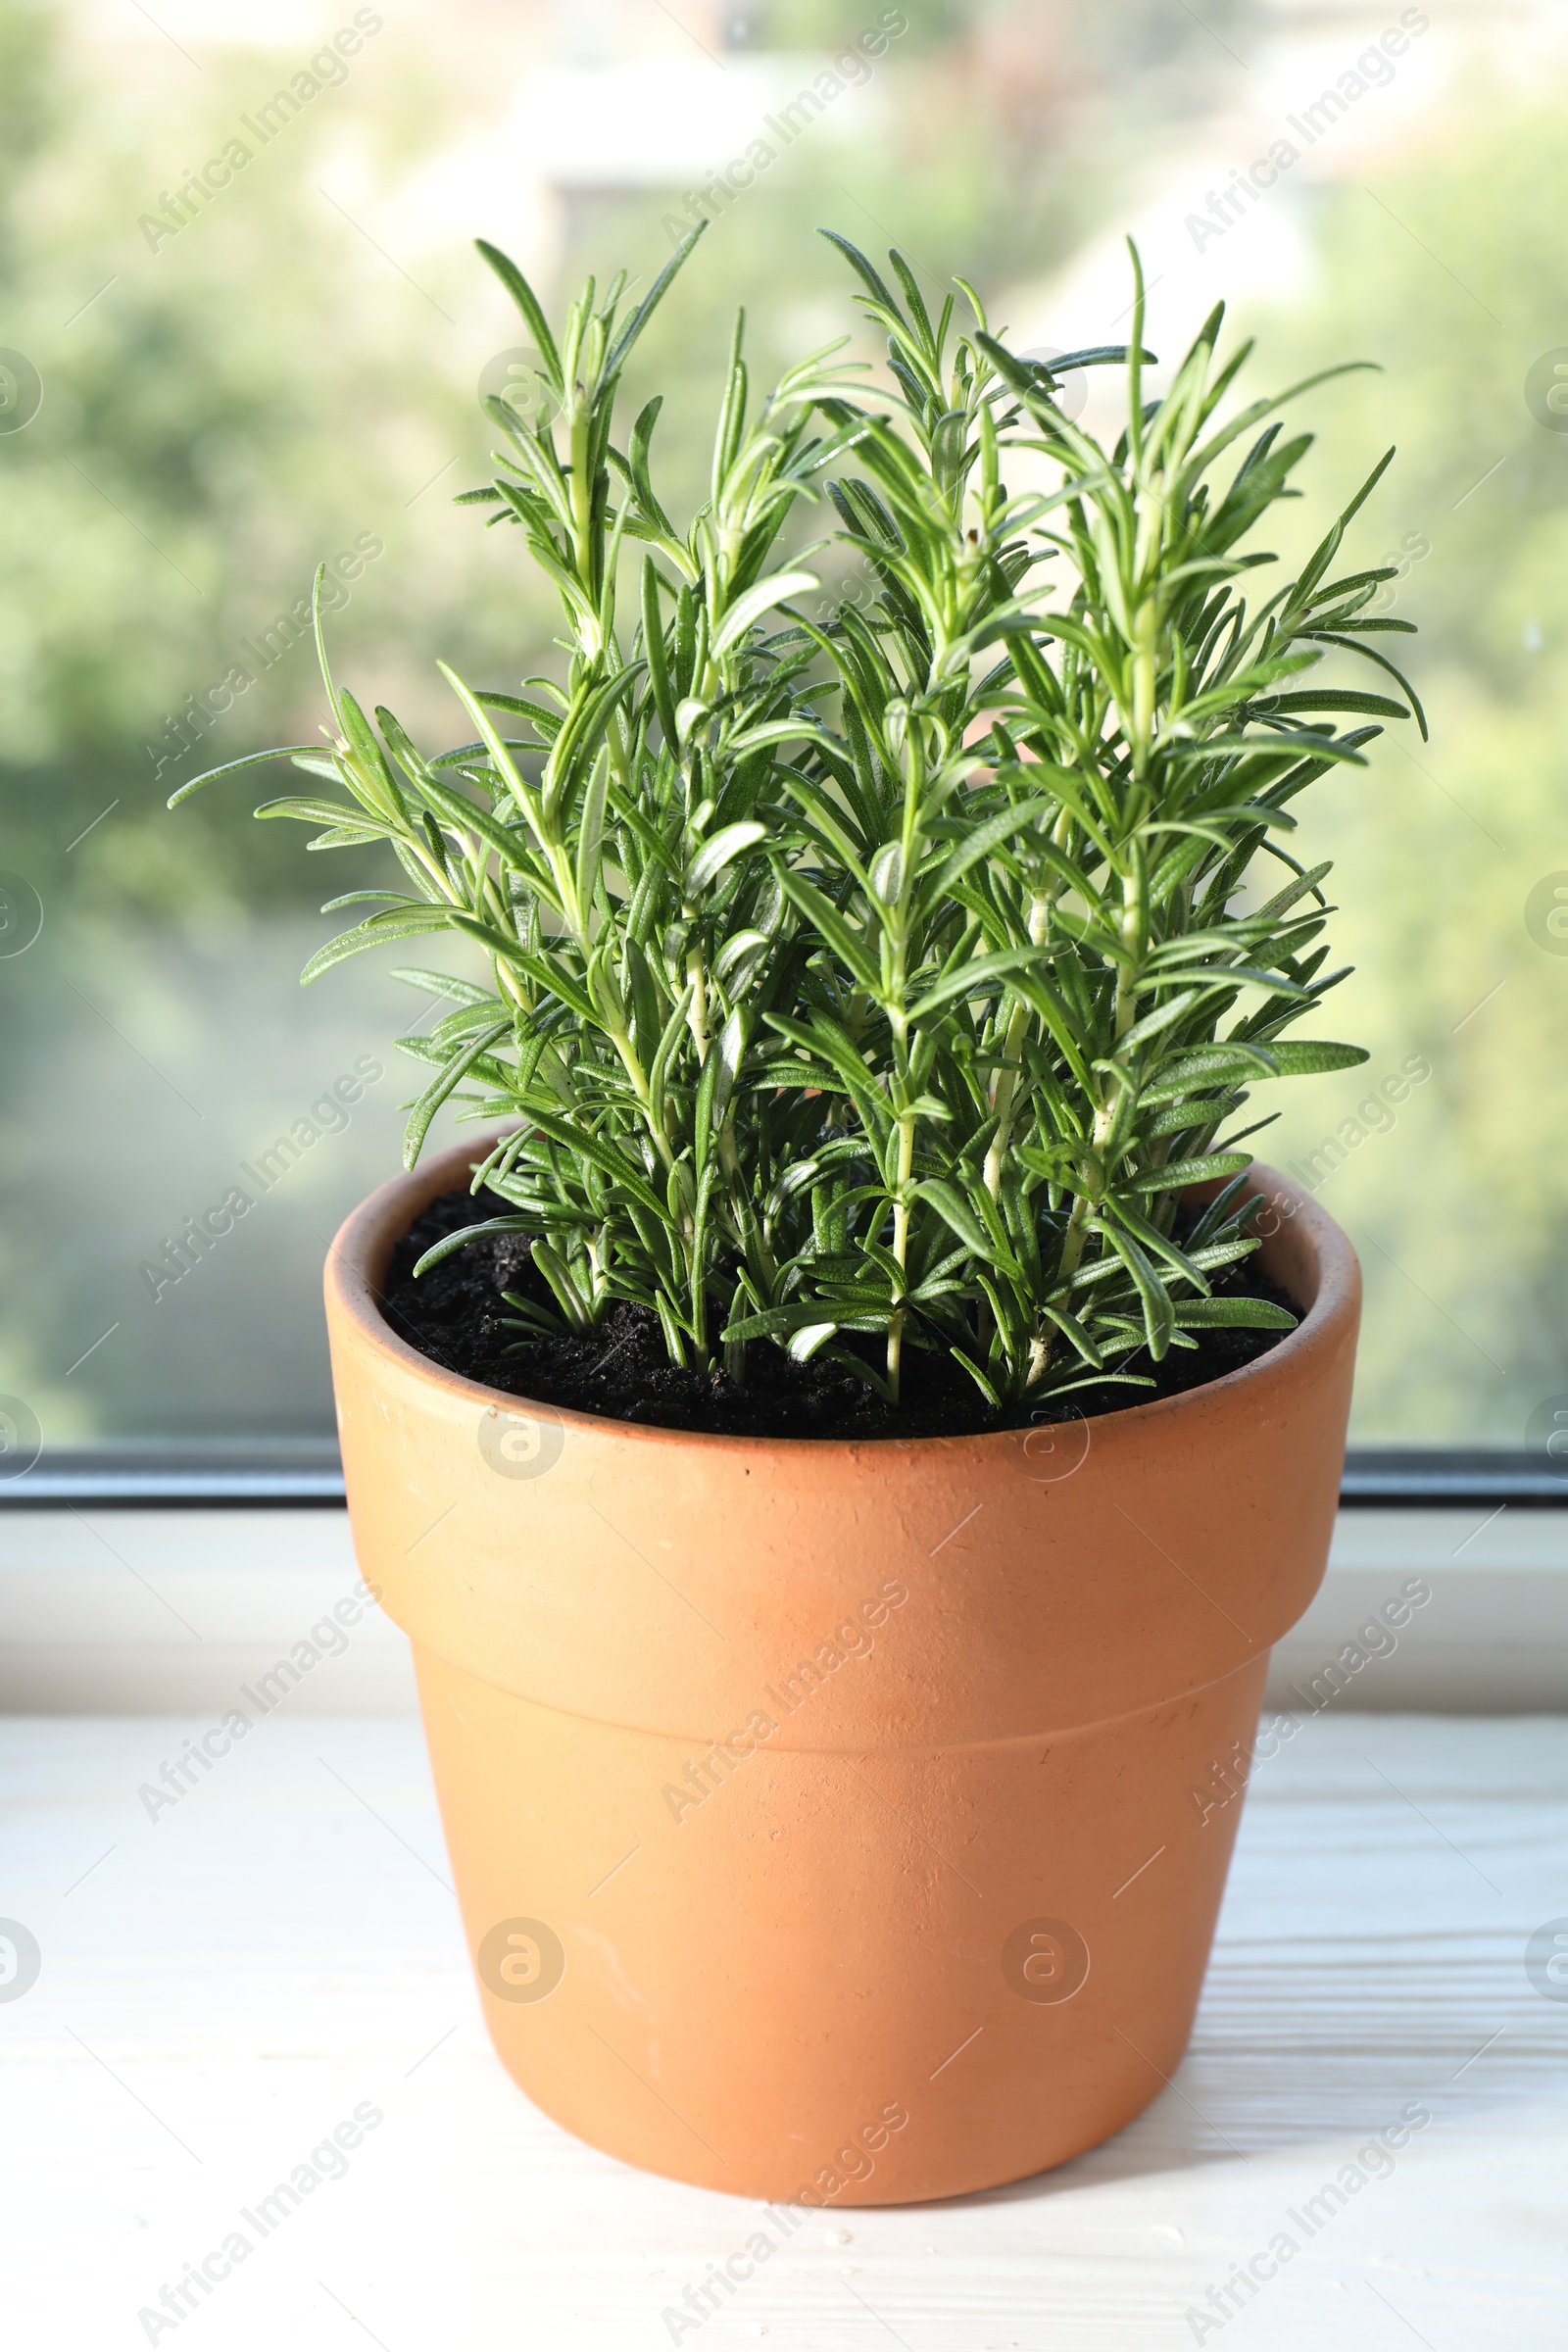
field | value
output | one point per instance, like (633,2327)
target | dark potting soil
(457,1316)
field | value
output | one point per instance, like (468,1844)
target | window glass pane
(244,331)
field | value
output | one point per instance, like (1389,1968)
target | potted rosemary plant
(845,1439)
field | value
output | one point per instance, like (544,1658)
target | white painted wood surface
(224,1986)
(135,1612)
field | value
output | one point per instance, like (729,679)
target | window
(249,333)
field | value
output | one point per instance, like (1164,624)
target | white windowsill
(145,1612)
(223,1985)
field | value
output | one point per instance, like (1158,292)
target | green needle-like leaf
(888,977)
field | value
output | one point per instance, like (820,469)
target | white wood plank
(226,1984)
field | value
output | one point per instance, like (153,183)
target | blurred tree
(1453,281)
(266,390)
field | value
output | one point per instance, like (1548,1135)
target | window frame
(300,1473)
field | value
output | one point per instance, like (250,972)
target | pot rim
(366,1238)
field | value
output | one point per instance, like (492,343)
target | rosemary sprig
(879,984)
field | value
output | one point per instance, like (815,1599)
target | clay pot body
(832,1821)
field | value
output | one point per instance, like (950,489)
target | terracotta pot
(840,1821)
